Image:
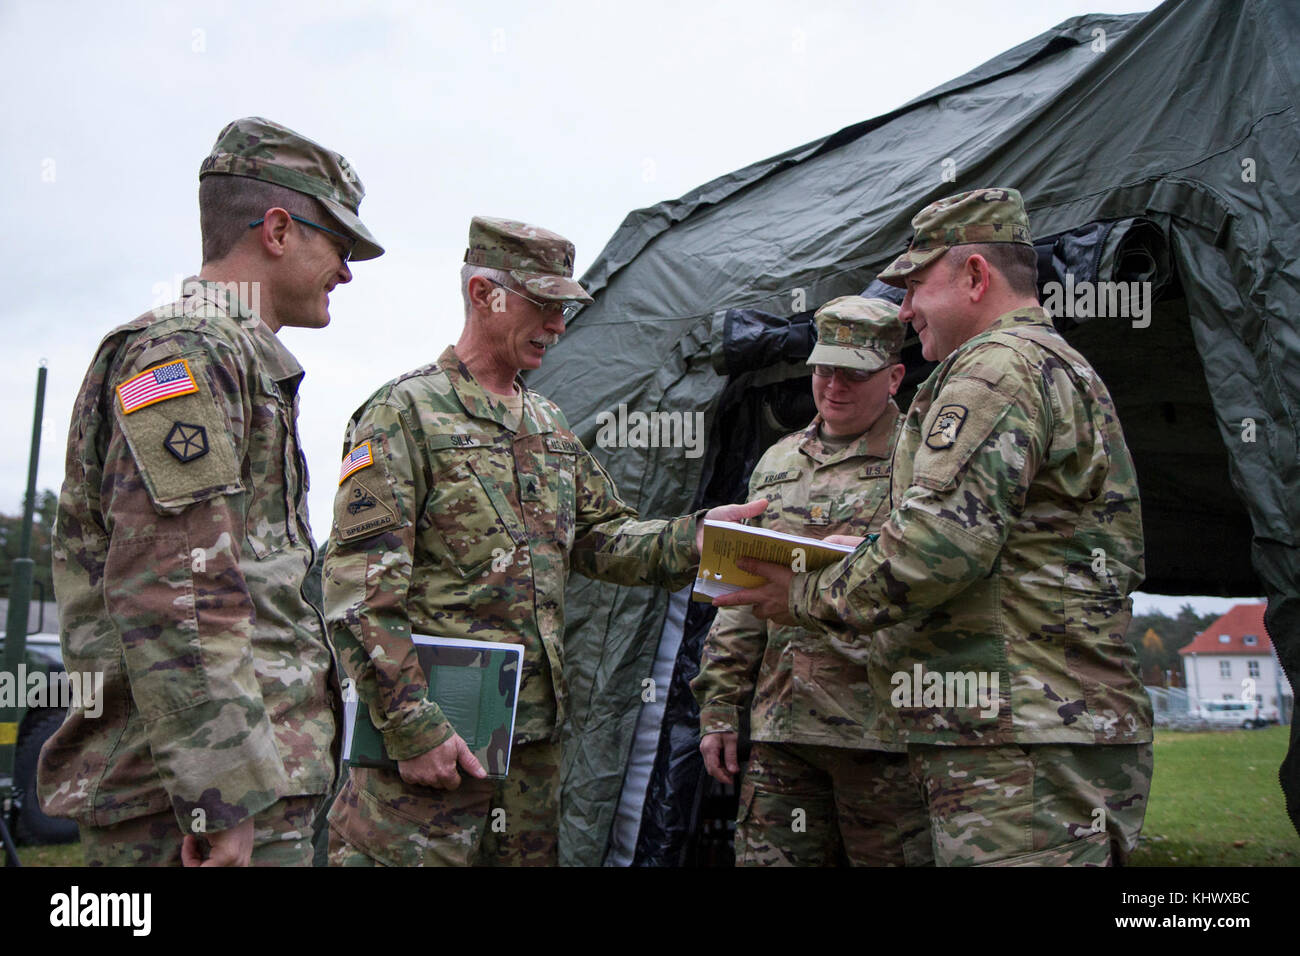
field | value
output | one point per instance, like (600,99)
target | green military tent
(1159,148)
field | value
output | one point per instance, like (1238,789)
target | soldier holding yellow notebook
(825,784)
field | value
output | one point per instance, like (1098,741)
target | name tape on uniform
(563,446)
(157,384)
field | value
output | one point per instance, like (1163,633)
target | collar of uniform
(880,438)
(1034,315)
(876,442)
(279,362)
(475,398)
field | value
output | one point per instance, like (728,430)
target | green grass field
(67,854)
(1215,801)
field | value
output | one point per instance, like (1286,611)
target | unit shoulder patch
(364,507)
(956,427)
(947,426)
(178,435)
(187,441)
(366,502)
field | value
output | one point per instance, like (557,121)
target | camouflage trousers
(804,805)
(281,837)
(1034,804)
(378,820)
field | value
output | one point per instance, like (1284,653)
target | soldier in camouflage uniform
(464,501)
(822,784)
(183,542)
(993,608)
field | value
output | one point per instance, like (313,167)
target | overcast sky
(567,115)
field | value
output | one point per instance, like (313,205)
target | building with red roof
(1234,659)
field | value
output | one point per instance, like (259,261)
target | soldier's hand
(232,847)
(437,767)
(727,513)
(719,751)
(852,540)
(771,601)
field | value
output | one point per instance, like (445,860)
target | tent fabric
(1164,143)
(646,745)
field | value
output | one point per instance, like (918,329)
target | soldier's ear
(896,373)
(485,295)
(976,277)
(272,232)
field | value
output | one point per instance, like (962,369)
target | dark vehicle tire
(31,825)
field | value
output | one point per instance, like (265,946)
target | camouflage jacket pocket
(1106,671)
(271,539)
(149,592)
(868,503)
(558,493)
(271,445)
(471,519)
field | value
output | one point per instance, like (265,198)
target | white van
(1230,713)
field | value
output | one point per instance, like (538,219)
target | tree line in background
(1157,636)
(11,532)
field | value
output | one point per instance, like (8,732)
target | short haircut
(227,204)
(1015,261)
(469,271)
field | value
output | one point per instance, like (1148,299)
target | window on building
(1252,668)
(1251,640)
(1225,668)
(1225,638)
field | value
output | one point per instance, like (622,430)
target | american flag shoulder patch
(157,384)
(357,459)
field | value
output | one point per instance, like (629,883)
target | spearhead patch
(364,508)
(364,504)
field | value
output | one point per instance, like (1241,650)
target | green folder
(476,683)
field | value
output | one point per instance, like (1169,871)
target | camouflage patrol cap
(981,215)
(853,332)
(540,260)
(260,149)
